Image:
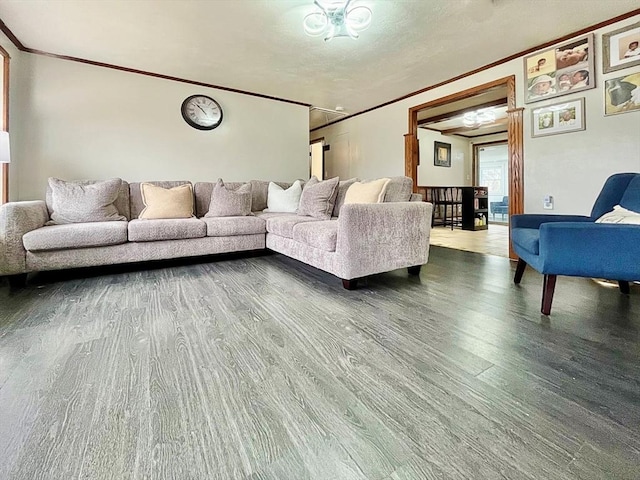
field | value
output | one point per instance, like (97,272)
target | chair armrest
(16,219)
(610,251)
(535,220)
(379,237)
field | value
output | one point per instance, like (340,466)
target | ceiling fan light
(315,24)
(359,18)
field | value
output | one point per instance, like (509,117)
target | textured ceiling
(259,45)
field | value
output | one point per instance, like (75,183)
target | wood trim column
(516,166)
(411,158)
(5,121)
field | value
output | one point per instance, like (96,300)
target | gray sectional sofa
(364,239)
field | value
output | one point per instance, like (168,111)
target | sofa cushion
(283,225)
(80,202)
(631,197)
(369,192)
(322,234)
(226,202)
(343,186)
(284,201)
(318,198)
(159,202)
(75,235)
(230,226)
(202,195)
(399,189)
(121,202)
(527,238)
(166,229)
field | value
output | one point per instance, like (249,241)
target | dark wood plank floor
(263,368)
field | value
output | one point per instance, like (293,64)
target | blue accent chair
(574,245)
(500,207)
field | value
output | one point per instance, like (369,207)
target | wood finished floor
(493,241)
(263,368)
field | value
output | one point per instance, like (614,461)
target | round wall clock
(201,112)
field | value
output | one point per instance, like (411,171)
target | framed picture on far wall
(621,48)
(441,154)
(622,94)
(559,118)
(565,68)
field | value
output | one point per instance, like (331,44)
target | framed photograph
(559,118)
(441,154)
(560,70)
(621,48)
(622,94)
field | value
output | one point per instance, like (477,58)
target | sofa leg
(350,284)
(548,287)
(18,281)
(624,287)
(414,270)
(519,270)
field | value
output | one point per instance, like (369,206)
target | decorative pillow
(176,202)
(284,201)
(318,198)
(620,215)
(75,202)
(370,192)
(343,186)
(230,203)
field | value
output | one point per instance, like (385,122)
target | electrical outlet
(548,202)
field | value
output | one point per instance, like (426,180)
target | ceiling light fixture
(335,19)
(482,116)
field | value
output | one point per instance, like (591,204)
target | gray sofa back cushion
(135,195)
(121,203)
(202,192)
(399,189)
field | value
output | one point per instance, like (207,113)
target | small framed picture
(560,70)
(441,154)
(559,118)
(621,48)
(622,94)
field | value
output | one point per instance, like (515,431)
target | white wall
(572,167)
(460,171)
(80,121)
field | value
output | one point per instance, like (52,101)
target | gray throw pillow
(343,186)
(318,198)
(229,203)
(81,202)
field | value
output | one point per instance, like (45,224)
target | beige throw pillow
(370,192)
(230,203)
(80,202)
(161,202)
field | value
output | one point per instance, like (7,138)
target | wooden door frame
(4,173)
(515,141)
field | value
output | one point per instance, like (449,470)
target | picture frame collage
(569,67)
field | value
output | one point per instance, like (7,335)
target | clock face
(201,112)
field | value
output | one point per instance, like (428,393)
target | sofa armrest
(598,250)
(535,220)
(378,237)
(16,219)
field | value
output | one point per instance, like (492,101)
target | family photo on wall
(560,70)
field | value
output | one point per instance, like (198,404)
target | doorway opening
(491,169)
(316,158)
(479,115)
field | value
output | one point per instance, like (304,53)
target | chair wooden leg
(624,287)
(519,270)
(350,284)
(548,287)
(414,270)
